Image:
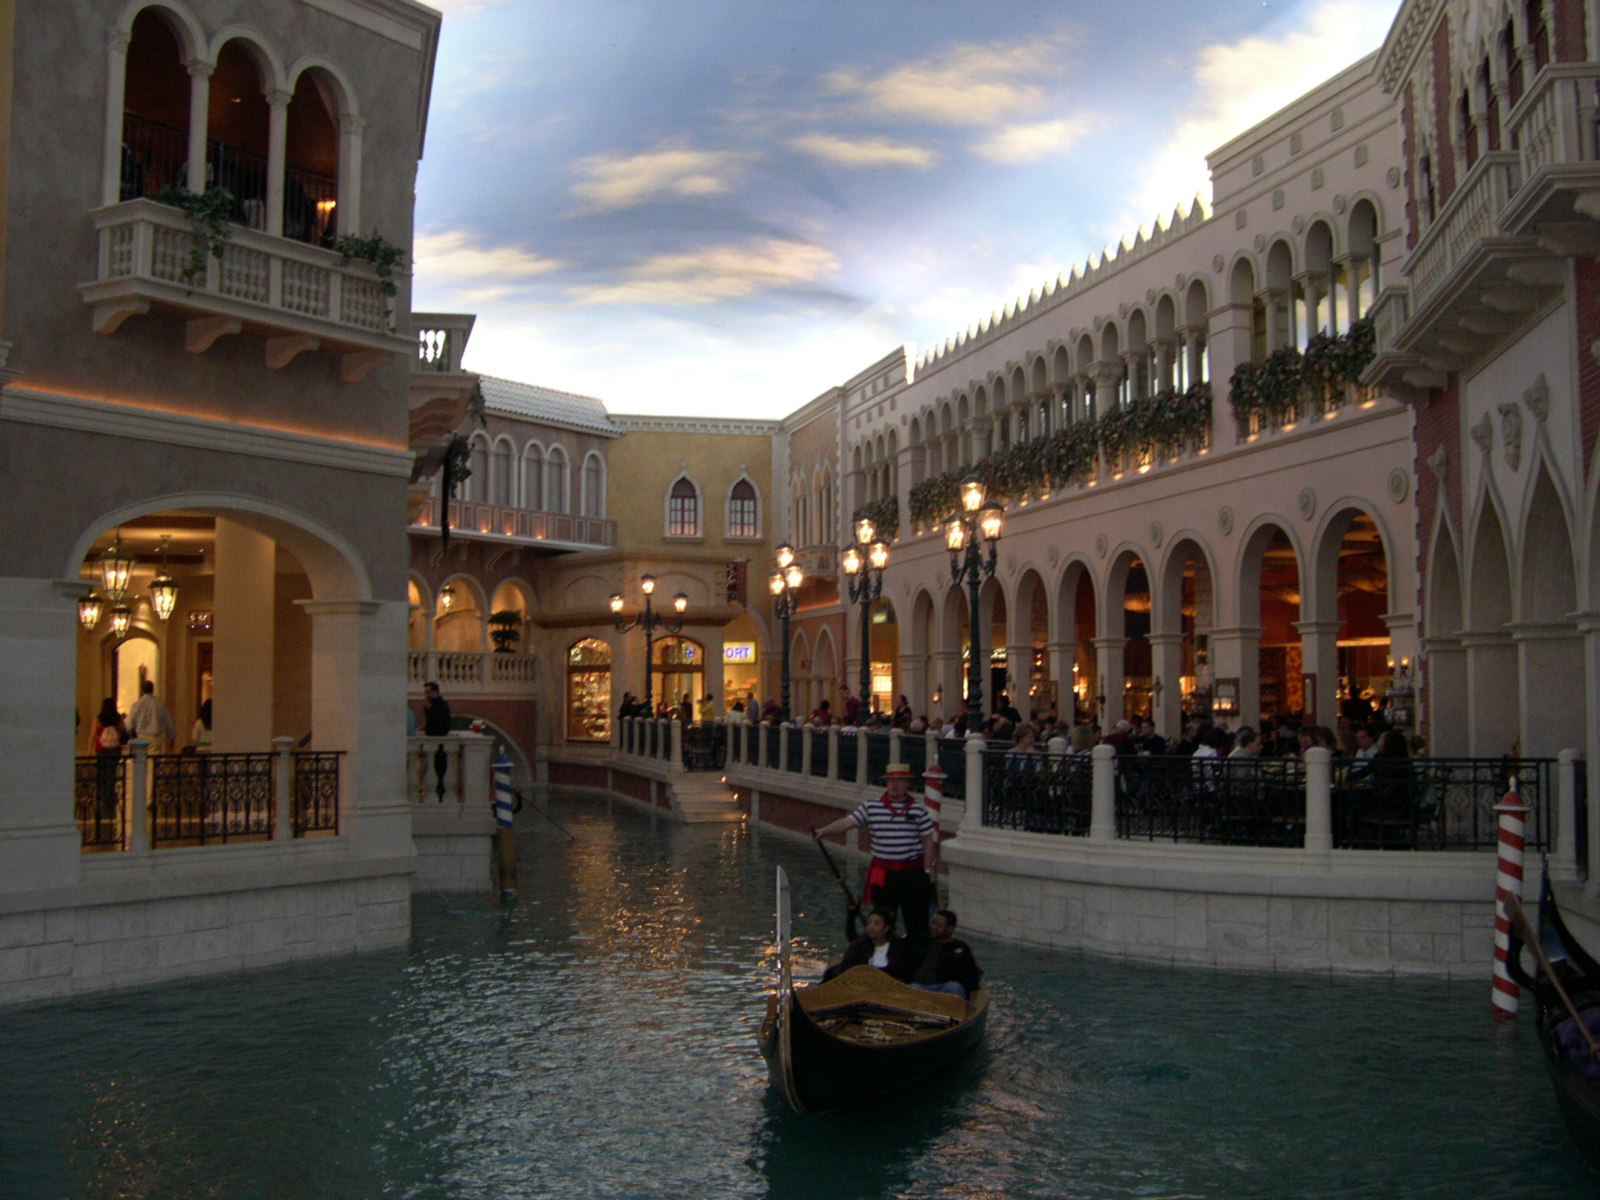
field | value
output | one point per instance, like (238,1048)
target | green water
(597,1040)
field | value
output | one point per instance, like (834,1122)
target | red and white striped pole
(1508,882)
(933,794)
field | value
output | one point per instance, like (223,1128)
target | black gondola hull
(818,1071)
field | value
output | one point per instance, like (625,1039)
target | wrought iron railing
(1037,793)
(705,746)
(203,799)
(99,798)
(1238,801)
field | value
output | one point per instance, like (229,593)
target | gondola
(842,1043)
(1565,989)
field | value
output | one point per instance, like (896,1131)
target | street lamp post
(649,620)
(785,584)
(970,566)
(863,564)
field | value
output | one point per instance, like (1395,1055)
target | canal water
(597,1039)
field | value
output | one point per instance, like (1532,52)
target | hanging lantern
(89,610)
(116,568)
(121,620)
(447,597)
(164,588)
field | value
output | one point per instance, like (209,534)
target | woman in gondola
(877,947)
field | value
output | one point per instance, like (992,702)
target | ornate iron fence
(316,791)
(705,746)
(197,799)
(99,800)
(1037,793)
(1233,801)
(1440,803)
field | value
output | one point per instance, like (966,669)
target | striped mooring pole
(933,794)
(1508,882)
(505,840)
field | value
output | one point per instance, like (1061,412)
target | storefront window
(589,691)
(680,670)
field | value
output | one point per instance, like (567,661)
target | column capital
(1318,627)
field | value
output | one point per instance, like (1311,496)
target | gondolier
(901,829)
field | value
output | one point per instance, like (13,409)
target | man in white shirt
(149,719)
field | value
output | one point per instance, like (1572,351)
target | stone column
(358,691)
(348,214)
(243,644)
(1236,654)
(1444,674)
(1319,801)
(1103,796)
(947,680)
(116,87)
(1494,693)
(1110,680)
(1319,656)
(914,684)
(277,157)
(1059,657)
(1166,658)
(1589,628)
(199,114)
(1548,658)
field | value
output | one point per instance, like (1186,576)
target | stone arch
(1268,599)
(1493,681)
(1183,616)
(1077,607)
(1447,728)
(1550,648)
(1350,589)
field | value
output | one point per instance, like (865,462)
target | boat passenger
(877,947)
(946,963)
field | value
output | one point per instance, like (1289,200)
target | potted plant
(505,630)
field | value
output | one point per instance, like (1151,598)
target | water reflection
(597,1039)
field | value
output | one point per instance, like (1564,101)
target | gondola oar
(1530,939)
(852,917)
(571,837)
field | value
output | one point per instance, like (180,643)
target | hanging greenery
(885,516)
(1332,361)
(1269,390)
(384,255)
(213,212)
(1169,423)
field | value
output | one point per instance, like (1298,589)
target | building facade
(204,429)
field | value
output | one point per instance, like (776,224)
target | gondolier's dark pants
(908,894)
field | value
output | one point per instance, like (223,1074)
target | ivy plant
(384,255)
(212,212)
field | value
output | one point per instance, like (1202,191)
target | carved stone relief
(1537,399)
(1511,432)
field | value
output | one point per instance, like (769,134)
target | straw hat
(897,769)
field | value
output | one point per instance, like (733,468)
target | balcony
(295,296)
(1554,127)
(1471,284)
(498,523)
(466,672)
(440,388)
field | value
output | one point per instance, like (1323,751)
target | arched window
(555,481)
(237,131)
(533,476)
(155,116)
(311,167)
(744,518)
(683,509)
(594,486)
(500,476)
(477,488)
(589,691)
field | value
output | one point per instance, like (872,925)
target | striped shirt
(898,839)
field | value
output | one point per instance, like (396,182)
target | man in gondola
(944,962)
(901,830)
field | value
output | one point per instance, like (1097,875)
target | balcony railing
(471,518)
(299,296)
(472,671)
(1555,123)
(1467,220)
(205,799)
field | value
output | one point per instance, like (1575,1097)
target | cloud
(964,85)
(1237,84)
(1012,144)
(615,182)
(452,261)
(864,152)
(715,273)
